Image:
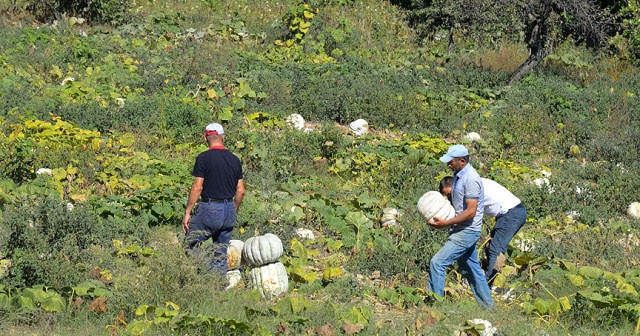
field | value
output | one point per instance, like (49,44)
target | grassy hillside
(115,112)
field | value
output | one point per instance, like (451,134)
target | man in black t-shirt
(218,189)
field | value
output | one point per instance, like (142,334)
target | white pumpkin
(305,234)
(262,250)
(295,121)
(359,127)
(434,204)
(234,279)
(473,136)
(270,280)
(634,210)
(234,254)
(390,217)
(482,327)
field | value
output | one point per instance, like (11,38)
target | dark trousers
(506,227)
(215,221)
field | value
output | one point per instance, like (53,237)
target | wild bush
(402,251)
(168,274)
(166,117)
(49,239)
(114,12)
(606,248)
(382,96)
(588,192)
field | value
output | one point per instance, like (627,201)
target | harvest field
(103,107)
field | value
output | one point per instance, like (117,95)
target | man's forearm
(194,194)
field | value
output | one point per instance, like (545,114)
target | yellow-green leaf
(71,170)
(575,279)
(569,266)
(172,305)
(626,288)
(541,306)
(564,303)
(144,309)
(226,114)
(298,303)
(590,272)
(499,280)
(332,273)
(59,173)
(127,139)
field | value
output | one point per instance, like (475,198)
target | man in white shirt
(509,213)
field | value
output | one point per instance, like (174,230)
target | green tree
(542,23)
(548,22)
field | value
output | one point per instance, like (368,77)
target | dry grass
(506,57)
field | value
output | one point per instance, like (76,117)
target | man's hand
(185,222)
(438,223)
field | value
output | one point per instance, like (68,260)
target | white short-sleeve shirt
(497,199)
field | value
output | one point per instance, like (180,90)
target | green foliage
(629,41)
(113,12)
(116,113)
(48,241)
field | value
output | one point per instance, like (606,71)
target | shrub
(114,12)
(48,241)
(164,116)
(404,251)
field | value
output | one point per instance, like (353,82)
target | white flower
(305,233)
(295,121)
(67,80)
(545,173)
(120,102)
(47,171)
(69,206)
(359,127)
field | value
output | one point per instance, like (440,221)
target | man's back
(497,199)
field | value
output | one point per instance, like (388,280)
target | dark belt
(216,200)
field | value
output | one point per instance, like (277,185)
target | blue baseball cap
(454,151)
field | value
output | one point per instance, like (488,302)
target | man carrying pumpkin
(467,197)
(509,213)
(218,189)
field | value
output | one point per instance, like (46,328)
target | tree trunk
(540,44)
(531,63)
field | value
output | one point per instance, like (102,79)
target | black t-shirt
(221,171)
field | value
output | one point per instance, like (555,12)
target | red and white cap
(214,129)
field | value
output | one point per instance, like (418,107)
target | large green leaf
(54,303)
(575,279)
(590,272)
(5,301)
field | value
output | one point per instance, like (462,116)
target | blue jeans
(506,227)
(215,221)
(460,246)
